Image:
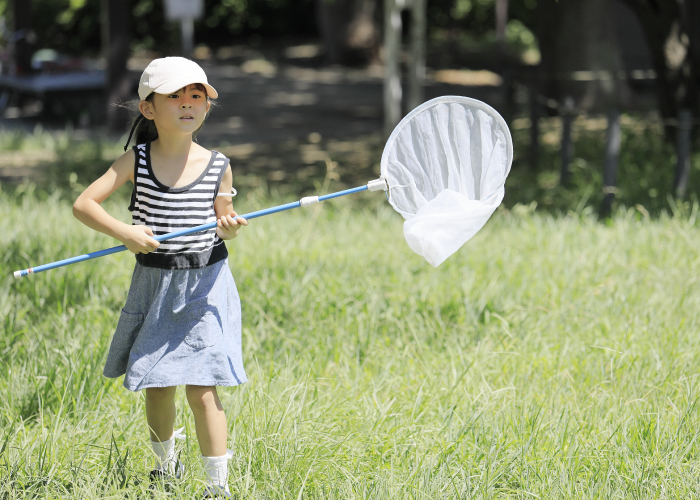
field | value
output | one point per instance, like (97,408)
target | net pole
(183,232)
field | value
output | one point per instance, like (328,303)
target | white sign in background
(177,10)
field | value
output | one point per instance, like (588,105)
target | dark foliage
(475,18)
(73,26)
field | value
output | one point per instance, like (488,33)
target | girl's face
(182,112)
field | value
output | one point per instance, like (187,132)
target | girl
(181,324)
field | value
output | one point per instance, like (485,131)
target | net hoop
(448,99)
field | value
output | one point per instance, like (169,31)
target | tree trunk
(671,29)
(118,81)
(692,24)
(349,30)
(23,34)
(580,55)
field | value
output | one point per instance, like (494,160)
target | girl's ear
(146,109)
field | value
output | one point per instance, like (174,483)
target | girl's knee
(159,394)
(202,397)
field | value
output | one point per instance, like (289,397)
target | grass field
(549,358)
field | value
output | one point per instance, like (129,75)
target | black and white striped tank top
(166,209)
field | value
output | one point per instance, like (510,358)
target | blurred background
(601,95)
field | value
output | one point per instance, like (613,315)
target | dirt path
(293,124)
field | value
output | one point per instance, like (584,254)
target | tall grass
(549,358)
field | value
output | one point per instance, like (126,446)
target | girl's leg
(209,419)
(160,412)
(210,422)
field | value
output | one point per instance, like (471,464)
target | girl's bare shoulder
(124,165)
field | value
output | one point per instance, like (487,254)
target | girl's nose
(186,105)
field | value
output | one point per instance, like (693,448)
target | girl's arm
(87,208)
(227,222)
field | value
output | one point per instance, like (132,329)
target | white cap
(169,74)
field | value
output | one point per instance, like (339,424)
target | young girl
(181,324)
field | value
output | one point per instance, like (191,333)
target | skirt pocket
(204,329)
(128,327)
(127,330)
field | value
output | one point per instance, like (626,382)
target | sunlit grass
(549,358)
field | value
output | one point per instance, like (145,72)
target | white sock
(165,452)
(216,471)
(165,455)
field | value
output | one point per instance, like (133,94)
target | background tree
(580,55)
(671,29)
(116,42)
(24,35)
(227,22)
(349,30)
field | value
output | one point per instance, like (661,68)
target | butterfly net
(445,165)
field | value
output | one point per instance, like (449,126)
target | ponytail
(145,130)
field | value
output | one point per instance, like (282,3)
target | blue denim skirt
(179,327)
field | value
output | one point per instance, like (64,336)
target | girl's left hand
(227,226)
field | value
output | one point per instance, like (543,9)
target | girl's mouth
(187,118)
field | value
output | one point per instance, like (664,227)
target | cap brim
(175,85)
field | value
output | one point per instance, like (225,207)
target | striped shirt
(166,209)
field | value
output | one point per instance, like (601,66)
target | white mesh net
(445,165)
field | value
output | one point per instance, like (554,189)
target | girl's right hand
(138,239)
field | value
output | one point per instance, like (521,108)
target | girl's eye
(173,96)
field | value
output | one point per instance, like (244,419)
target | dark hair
(146,130)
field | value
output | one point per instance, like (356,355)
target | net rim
(441,100)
